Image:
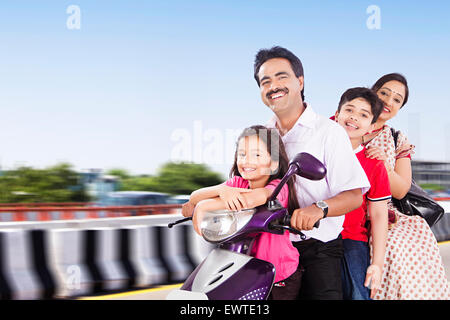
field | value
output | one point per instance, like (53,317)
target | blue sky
(113,93)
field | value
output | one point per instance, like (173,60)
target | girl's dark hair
(278,52)
(392,77)
(273,143)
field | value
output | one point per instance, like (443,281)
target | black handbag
(417,201)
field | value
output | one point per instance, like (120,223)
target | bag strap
(395,135)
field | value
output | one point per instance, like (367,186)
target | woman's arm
(400,178)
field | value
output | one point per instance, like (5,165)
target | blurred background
(120,109)
(122,92)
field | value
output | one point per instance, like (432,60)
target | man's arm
(346,201)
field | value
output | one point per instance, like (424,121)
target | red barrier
(68,213)
(47,204)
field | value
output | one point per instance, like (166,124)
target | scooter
(229,272)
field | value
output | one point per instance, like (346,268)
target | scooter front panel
(216,268)
(252,282)
(226,275)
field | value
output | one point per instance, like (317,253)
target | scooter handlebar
(287,221)
(286,226)
(170,225)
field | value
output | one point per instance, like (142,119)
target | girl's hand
(197,218)
(373,277)
(376,153)
(187,209)
(233,198)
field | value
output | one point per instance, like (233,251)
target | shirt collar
(306,119)
(359,148)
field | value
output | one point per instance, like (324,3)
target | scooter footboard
(226,275)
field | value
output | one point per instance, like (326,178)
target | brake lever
(286,225)
(290,229)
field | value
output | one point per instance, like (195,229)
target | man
(279,74)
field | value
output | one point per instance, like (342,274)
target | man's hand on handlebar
(305,218)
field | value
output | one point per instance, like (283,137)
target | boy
(358,110)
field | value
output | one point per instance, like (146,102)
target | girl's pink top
(274,248)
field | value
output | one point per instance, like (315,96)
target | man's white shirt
(328,142)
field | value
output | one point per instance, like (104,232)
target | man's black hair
(279,52)
(376,105)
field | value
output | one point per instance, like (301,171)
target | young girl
(260,162)
(358,110)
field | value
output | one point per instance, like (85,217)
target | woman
(413,267)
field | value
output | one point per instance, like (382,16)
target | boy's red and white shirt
(354,223)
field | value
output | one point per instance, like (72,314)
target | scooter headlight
(221,224)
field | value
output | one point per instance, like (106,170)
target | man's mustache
(285,90)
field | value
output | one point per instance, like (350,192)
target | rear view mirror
(308,166)
(304,165)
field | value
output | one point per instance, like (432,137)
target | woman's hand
(376,153)
(233,198)
(373,277)
(187,209)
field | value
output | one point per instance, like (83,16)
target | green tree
(183,178)
(174,178)
(59,183)
(120,173)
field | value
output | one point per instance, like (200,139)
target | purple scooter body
(229,272)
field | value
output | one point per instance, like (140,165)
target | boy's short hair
(376,105)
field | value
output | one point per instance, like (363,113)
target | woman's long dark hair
(392,77)
(273,143)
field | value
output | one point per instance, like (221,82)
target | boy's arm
(378,212)
(379,225)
